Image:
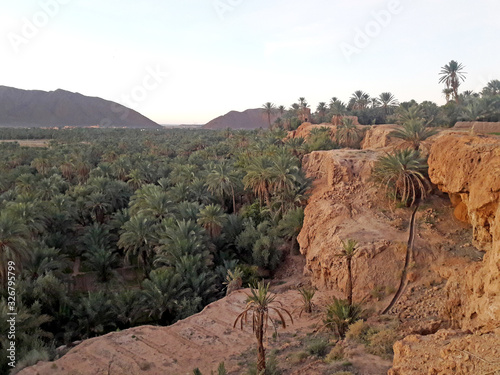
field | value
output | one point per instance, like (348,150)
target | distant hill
(35,108)
(249,119)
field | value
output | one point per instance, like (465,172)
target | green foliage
(414,131)
(404,173)
(307,294)
(340,314)
(318,347)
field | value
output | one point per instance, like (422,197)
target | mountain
(35,108)
(249,119)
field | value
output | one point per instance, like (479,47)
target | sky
(189,61)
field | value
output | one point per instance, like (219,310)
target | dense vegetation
(386,109)
(113,228)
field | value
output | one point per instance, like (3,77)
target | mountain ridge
(252,118)
(59,108)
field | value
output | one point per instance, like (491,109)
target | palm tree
(260,305)
(321,110)
(14,244)
(269,109)
(347,252)
(451,74)
(347,133)
(222,180)
(291,225)
(258,178)
(447,92)
(161,294)
(212,218)
(414,132)
(492,88)
(403,172)
(285,174)
(281,109)
(359,100)
(138,239)
(388,101)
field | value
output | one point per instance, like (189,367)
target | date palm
(414,132)
(348,250)
(269,109)
(347,133)
(388,101)
(212,218)
(260,305)
(492,88)
(404,173)
(138,239)
(258,178)
(451,75)
(14,243)
(359,100)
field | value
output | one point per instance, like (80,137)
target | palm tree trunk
(349,282)
(234,199)
(261,351)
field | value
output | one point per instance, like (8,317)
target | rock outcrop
(478,126)
(447,352)
(378,137)
(468,169)
(340,208)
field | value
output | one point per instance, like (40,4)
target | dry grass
(29,142)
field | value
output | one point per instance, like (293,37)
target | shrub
(318,347)
(381,343)
(336,354)
(358,331)
(307,295)
(339,315)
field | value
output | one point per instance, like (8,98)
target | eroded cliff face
(468,169)
(341,207)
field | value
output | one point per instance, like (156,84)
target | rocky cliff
(468,169)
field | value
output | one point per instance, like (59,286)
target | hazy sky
(188,61)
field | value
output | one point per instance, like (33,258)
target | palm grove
(112,228)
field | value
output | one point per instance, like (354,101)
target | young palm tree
(347,252)
(269,109)
(403,172)
(447,92)
(347,133)
(451,74)
(388,101)
(260,305)
(414,132)
(281,109)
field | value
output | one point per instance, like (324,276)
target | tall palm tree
(222,180)
(451,74)
(269,109)
(347,252)
(321,108)
(281,109)
(258,178)
(492,88)
(388,101)
(260,304)
(359,100)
